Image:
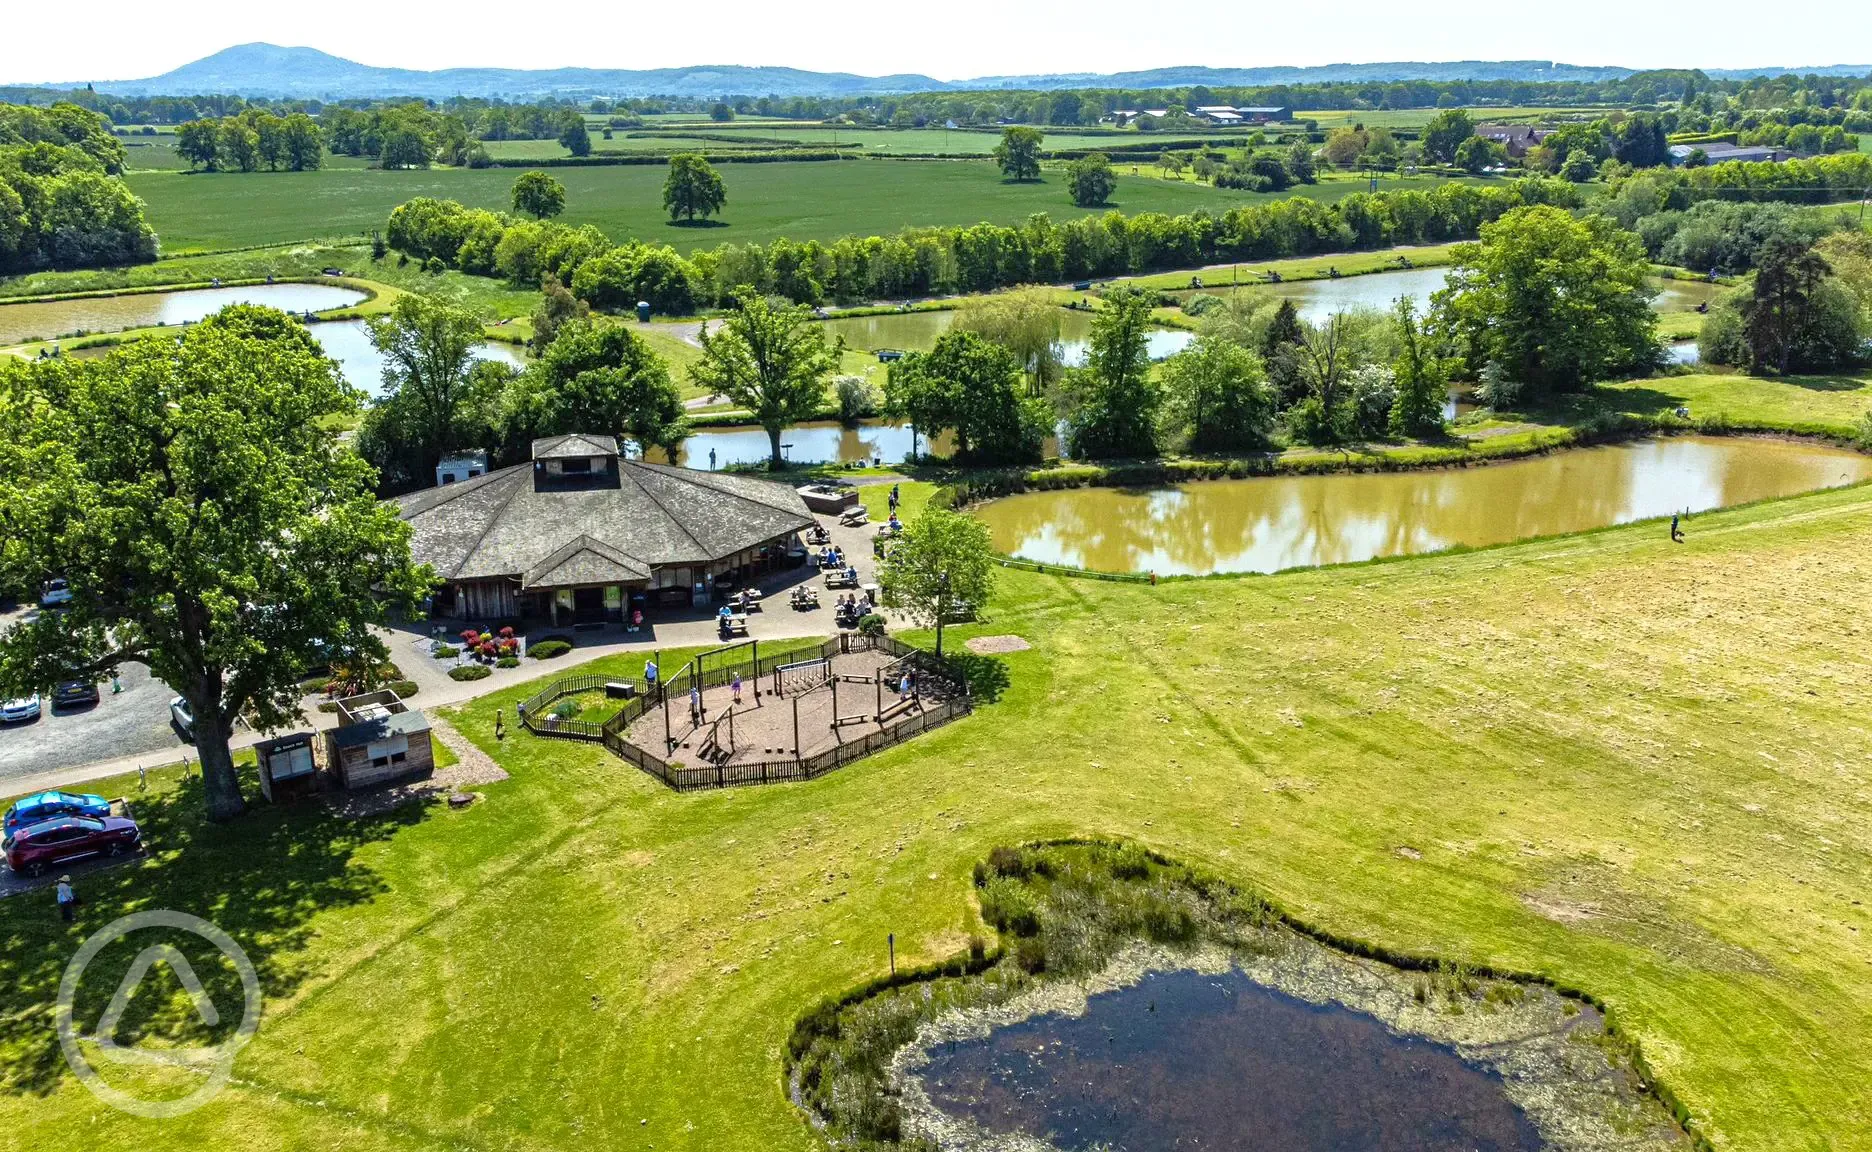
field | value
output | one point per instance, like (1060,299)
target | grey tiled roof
(585,561)
(574,444)
(408,723)
(500,525)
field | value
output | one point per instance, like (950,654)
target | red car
(40,846)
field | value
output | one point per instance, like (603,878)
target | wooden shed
(378,741)
(289,766)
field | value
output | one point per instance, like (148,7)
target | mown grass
(1635,767)
(801,200)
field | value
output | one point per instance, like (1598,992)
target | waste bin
(643,311)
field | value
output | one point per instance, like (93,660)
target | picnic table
(841,579)
(853,517)
(734,624)
(749,599)
(804,598)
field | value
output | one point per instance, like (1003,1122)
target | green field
(1636,767)
(801,201)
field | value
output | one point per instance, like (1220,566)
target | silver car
(20,708)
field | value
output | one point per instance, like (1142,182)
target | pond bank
(968,1057)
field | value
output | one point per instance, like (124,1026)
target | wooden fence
(928,666)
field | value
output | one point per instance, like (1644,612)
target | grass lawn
(1825,403)
(1640,768)
(802,201)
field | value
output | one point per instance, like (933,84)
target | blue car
(43,806)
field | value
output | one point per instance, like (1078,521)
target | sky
(953,40)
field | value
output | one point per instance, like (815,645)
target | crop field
(802,201)
(1637,767)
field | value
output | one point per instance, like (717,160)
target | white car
(56,592)
(20,708)
(182,718)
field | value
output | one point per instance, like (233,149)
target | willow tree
(1026,322)
(208,521)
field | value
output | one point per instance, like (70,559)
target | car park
(40,846)
(20,709)
(74,694)
(42,806)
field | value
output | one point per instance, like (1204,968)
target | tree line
(63,202)
(972,258)
(252,140)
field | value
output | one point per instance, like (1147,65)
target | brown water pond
(52,319)
(1267,524)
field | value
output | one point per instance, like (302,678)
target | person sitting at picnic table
(724,614)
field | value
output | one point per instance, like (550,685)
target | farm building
(1516,138)
(580,532)
(1720,153)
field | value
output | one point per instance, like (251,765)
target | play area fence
(720,668)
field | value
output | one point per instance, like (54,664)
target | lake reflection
(1267,524)
(819,442)
(51,319)
(1185,1060)
(1318,300)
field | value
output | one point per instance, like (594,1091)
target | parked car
(74,694)
(57,591)
(182,718)
(19,709)
(41,846)
(43,806)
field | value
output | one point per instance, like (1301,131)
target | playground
(795,711)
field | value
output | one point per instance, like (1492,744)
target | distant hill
(306,73)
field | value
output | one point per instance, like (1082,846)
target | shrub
(1007,904)
(1130,863)
(547,649)
(403,688)
(566,709)
(1201,304)
(1030,954)
(446,651)
(1004,861)
(315,685)
(871,624)
(469,672)
(857,399)
(507,662)
(328,706)
(434,265)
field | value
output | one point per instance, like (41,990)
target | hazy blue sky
(113,39)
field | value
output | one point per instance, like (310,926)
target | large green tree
(574,137)
(1111,402)
(1422,379)
(538,195)
(596,376)
(1557,302)
(941,569)
(976,388)
(692,186)
(770,358)
(1445,133)
(1217,398)
(1025,321)
(428,348)
(210,524)
(1794,317)
(1018,153)
(1090,180)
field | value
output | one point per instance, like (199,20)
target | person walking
(734,686)
(650,677)
(903,688)
(1677,535)
(67,899)
(696,715)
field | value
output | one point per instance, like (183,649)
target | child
(734,686)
